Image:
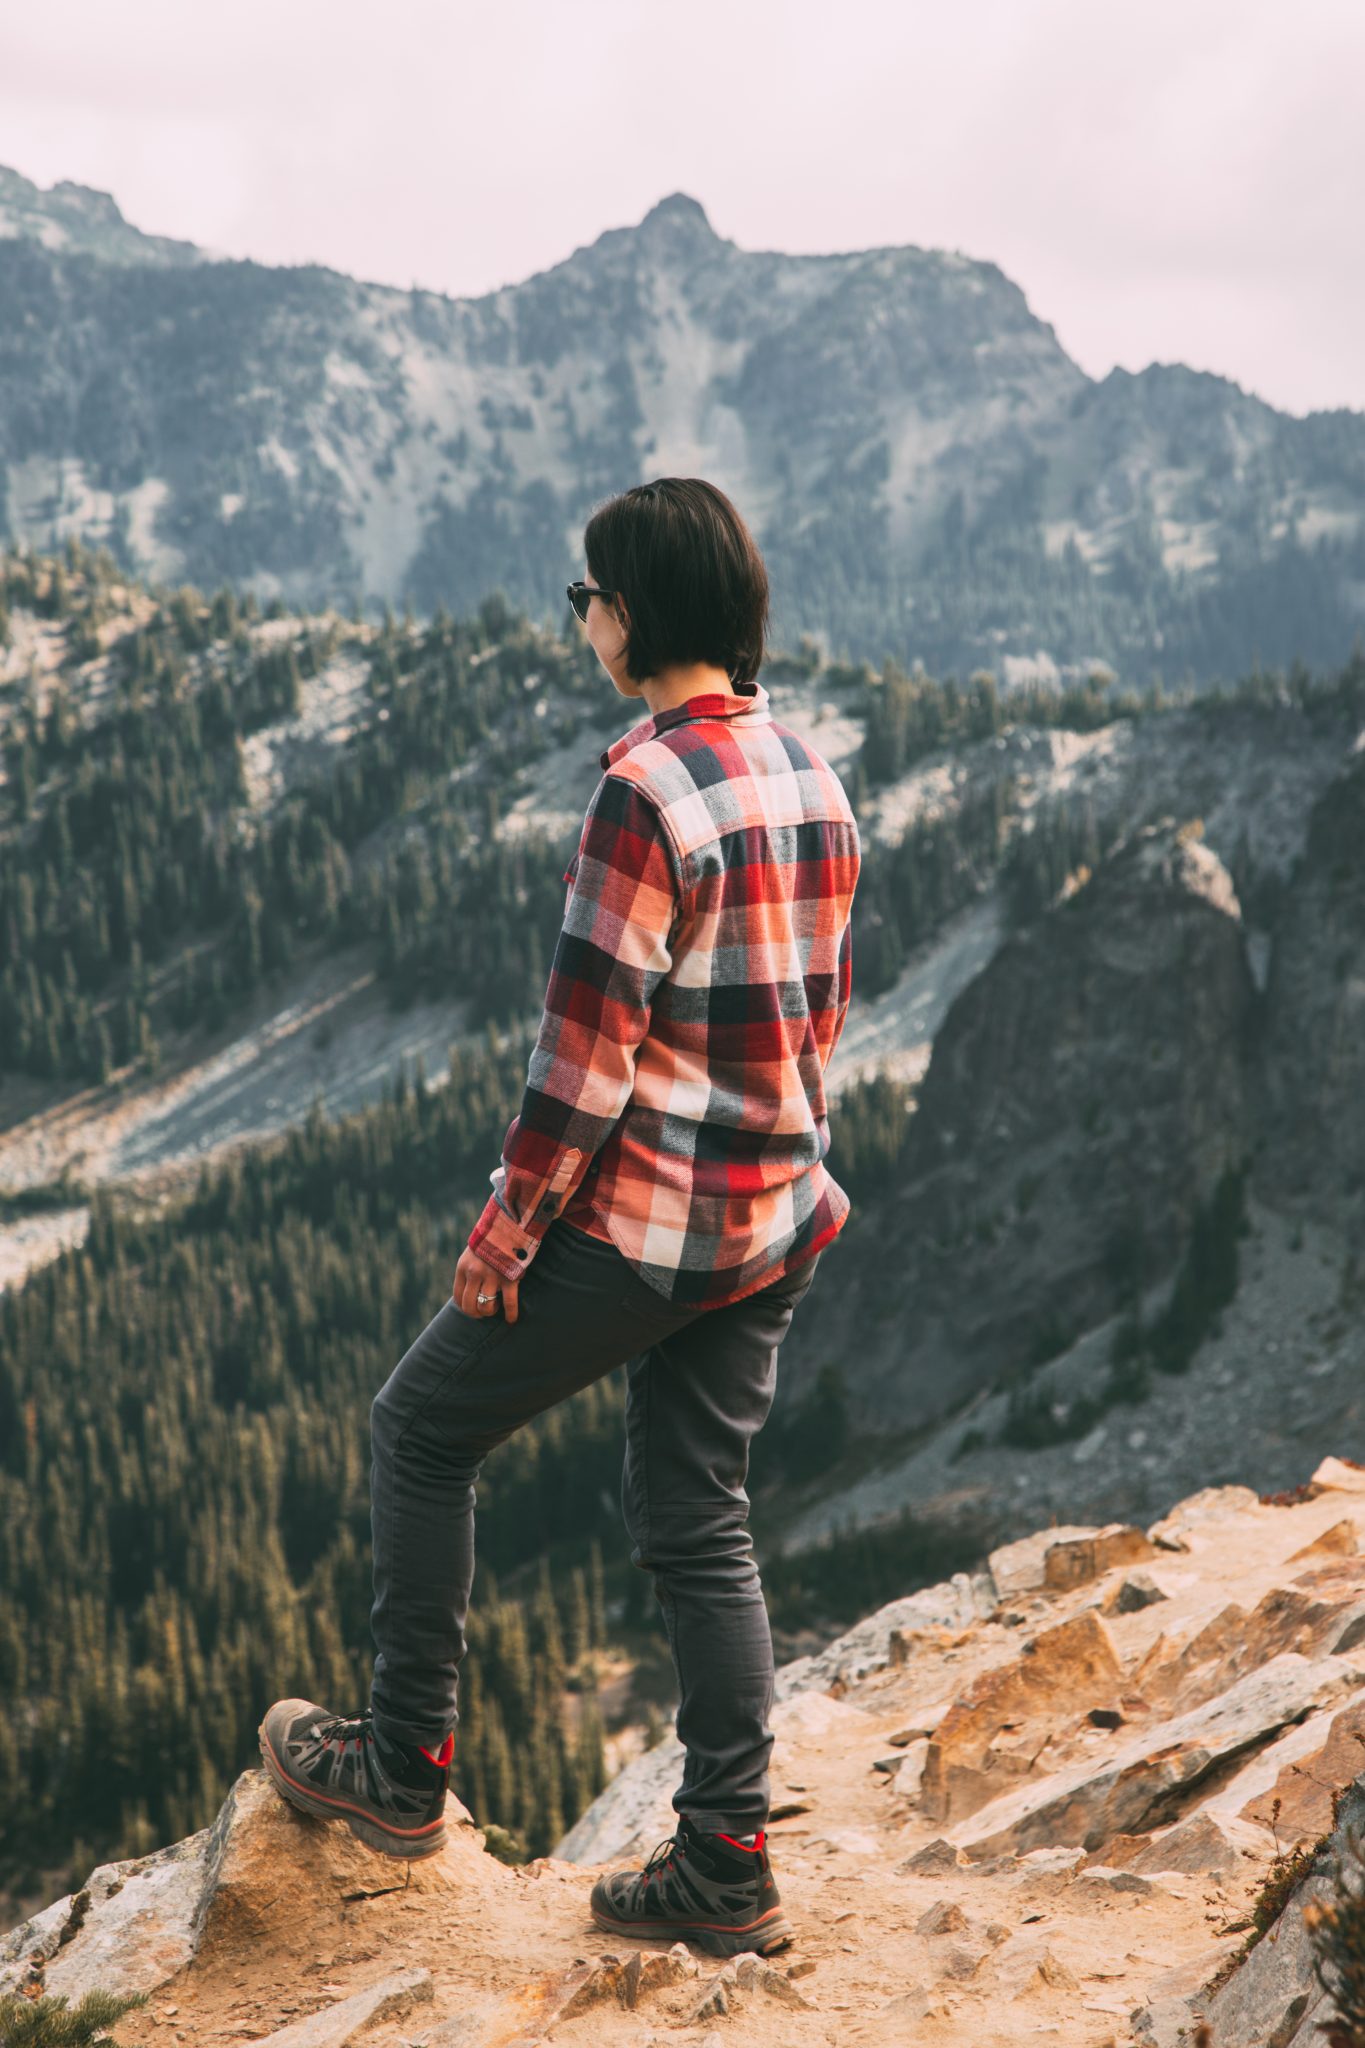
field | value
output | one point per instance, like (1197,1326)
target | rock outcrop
(1085,1092)
(1315,1015)
(1012,1807)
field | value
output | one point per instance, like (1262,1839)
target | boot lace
(346,1728)
(661,1860)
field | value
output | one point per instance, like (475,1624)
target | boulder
(1018,1569)
(1205,1844)
(1313,1135)
(947,1917)
(1338,1541)
(886,1637)
(1027,1962)
(136,1924)
(1309,1617)
(1188,1519)
(1099,1883)
(131,1927)
(1145,1781)
(1137,1591)
(752,1973)
(1076,1560)
(1341,1475)
(1150,953)
(339,2024)
(934,1859)
(1002,1722)
(1304,1790)
(1272,1999)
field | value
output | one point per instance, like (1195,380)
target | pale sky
(1166,180)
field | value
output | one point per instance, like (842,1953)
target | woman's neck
(675,686)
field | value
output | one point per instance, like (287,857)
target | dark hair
(691,575)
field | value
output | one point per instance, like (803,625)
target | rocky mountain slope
(1082,1080)
(75,220)
(1088,1090)
(1082,1796)
(927,470)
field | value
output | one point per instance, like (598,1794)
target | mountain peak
(75,219)
(679,209)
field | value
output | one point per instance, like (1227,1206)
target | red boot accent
(447,1751)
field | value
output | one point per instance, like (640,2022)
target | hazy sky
(1167,180)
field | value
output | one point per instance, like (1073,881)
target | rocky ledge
(1083,1797)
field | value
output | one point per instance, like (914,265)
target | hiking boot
(714,1890)
(391,1794)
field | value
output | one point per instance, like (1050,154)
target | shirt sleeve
(620,924)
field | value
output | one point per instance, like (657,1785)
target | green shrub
(51,2023)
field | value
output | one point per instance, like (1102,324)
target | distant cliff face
(927,470)
(1315,1023)
(1085,1092)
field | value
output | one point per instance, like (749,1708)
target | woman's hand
(473,1278)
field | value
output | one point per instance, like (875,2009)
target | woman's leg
(695,1400)
(466,1384)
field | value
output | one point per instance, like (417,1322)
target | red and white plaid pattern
(675,1098)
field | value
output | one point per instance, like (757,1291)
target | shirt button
(520,1253)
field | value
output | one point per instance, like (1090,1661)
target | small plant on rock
(50,2022)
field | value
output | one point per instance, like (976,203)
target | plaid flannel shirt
(675,1093)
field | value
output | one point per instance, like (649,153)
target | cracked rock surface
(1080,1813)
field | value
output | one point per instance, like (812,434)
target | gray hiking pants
(700,1383)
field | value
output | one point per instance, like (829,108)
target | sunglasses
(581,595)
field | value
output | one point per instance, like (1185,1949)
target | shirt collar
(751,707)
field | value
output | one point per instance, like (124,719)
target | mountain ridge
(928,472)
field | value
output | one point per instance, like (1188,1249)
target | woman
(661,1202)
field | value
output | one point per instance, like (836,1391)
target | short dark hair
(691,575)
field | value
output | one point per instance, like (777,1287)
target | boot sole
(404,1847)
(763,1937)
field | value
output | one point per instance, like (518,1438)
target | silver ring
(481,1298)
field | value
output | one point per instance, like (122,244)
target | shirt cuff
(501,1242)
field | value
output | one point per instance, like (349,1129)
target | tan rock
(1100,1884)
(1190,1520)
(713,2001)
(1339,1541)
(1342,1475)
(1306,1618)
(339,2024)
(1304,1789)
(1077,1560)
(129,1928)
(934,1859)
(897,2021)
(1021,1568)
(1143,1778)
(1132,1594)
(753,1974)
(947,1917)
(1205,1844)
(999,1727)
(1118,1852)
(261,1850)
(613,1981)
(1274,1998)
(1027,1962)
